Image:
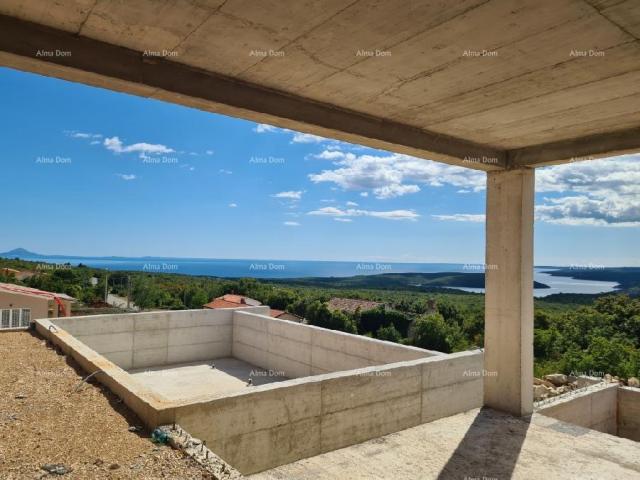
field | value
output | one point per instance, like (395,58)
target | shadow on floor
(489,449)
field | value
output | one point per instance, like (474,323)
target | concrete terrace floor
(191,380)
(478,444)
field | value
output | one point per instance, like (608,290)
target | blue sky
(86,171)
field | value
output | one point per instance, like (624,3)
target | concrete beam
(508,338)
(578,149)
(105,65)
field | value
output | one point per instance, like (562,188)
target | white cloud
(83,135)
(127,176)
(224,171)
(602,192)
(209,152)
(263,128)
(616,211)
(344,220)
(351,204)
(290,195)
(115,145)
(329,155)
(297,137)
(364,194)
(351,212)
(393,175)
(461,217)
(233,205)
(395,190)
(307,138)
(291,224)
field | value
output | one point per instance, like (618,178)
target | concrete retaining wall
(297,350)
(140,340)
(629,413)
(595,408)
(279,423)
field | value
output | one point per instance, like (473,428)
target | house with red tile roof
(238,301)
(19,305)
(350,305)
(232,301)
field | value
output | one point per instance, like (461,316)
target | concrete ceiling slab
(402,78)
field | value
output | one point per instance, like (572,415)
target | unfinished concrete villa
(501,86)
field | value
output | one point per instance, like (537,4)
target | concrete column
(508,337)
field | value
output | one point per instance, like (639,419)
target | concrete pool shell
(313,390)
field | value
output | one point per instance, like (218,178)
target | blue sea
(303,268)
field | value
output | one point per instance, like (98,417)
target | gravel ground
(43,421)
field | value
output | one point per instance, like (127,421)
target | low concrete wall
(152,409)
(140,340)
(629,413)
(279,423)
(596,408)
(296,350)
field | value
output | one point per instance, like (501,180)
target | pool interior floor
(189,380)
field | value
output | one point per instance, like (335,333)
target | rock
(538,392)
(20,396)
(558,379)
(633,382)
(176,443)
(98,462)
(136,428)
(546,383)
(56,468)
(114,466)
(608,378)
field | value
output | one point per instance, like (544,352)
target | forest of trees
(585,334)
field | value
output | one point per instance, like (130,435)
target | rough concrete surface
(43,421)
(478,444)
(557,79)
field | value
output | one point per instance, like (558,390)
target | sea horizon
(266,269)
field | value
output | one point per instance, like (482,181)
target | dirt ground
(44,421)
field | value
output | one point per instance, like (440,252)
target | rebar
(87,378)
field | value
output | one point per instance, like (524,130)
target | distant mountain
(25,254)
(21,253)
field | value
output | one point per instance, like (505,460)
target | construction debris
(198,451)
(56,469)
